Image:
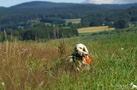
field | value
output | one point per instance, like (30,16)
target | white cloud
(100,1)
(111,1)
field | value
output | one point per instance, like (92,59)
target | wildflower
(3,84)
(133,86)
(122,48)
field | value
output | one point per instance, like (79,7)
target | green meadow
(33,65)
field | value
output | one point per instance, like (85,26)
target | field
(73,21)
(39,66)
(94,29)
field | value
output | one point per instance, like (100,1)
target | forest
(109,18)
(46,20)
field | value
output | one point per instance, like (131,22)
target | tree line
(40,31)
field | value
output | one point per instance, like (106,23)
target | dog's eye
(80,47)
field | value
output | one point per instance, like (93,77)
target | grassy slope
(38,66)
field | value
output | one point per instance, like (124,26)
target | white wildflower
(122,48)
(133,86)
(3,84)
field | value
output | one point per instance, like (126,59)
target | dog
(79,58)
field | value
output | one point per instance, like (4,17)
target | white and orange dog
(80,57)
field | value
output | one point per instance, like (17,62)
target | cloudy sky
(111,1)
(8,3)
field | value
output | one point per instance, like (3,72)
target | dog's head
(81,48)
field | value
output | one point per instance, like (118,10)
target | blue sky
(8,3)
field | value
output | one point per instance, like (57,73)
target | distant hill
(30,11)
(44,4)
(41,4)
(40,9)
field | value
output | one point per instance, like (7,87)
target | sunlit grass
(95,29)
(39,66)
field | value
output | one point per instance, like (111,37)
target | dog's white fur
(80,64)
(81,48)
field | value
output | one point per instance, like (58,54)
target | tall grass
(39,66)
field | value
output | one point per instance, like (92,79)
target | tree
(29,35)
(121,24)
